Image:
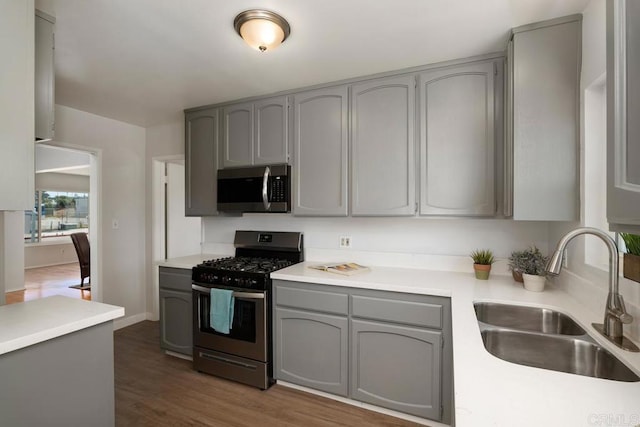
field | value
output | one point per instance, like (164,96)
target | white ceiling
(144,61)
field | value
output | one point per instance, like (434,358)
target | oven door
(248,334)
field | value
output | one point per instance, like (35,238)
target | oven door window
(244,319)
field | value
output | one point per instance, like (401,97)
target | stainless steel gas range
(244,354)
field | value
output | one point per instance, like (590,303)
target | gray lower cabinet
(311,349)
(397,367)
(64,381)
(458,139)
(176,331)
(543,107)
(201,162)
(320,167)
(389,349)
(623,115)
(44,76)
(383,147)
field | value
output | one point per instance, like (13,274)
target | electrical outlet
(345,241)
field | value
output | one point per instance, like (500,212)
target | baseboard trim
(363,405)
(130,320)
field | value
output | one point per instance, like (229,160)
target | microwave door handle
(265,183)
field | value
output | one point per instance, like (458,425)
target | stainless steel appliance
(244,354)
(255,189)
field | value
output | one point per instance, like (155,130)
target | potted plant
(531,264)
(482,260)
(516,264)
(631,263)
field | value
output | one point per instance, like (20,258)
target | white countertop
(490,391)
(28,323)
(189,261)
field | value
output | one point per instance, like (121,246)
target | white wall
(43,255)
(588,284)
(416,236)
(11,251)
(53,181)
(17,44)
(17,134)
(52,158)
(121,149)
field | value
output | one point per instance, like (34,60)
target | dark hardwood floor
(154,389)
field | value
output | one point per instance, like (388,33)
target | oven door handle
(247,295)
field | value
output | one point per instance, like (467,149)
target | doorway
(66,201)
(173,234)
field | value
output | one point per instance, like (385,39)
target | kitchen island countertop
(31,322)
(490,391)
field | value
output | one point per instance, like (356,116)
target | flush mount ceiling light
(261,29)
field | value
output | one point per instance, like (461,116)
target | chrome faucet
(615,313)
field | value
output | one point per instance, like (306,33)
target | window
(56,213)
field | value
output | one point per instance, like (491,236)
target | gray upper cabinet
(544,93)
(458,140)
(255,133)
(383,147)
(320,152)
(201,156)
(237,135)
(44,76)
(623,115)
(271,131)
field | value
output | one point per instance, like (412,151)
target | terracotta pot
(533,282)
(517,276)
(482,271)
(631,267)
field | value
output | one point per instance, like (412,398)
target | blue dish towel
(221,311)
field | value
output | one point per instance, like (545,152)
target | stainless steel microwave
(255,189)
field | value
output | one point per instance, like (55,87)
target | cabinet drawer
(178,279)
(423,314)
(327,302)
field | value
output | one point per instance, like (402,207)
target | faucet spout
(615,314)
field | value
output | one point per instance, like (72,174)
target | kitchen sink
(525,318)
(557,353)
(547,339)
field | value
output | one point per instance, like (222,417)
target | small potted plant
(631,263)
(531,264)
(516,264)
(482,260)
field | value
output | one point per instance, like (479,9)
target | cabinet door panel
(238,135)
(320,145)
(44,76)
(623,123)
(546,88)
(457,141)
(271,137)
(396,367)
(311,350)
(382,147)
(201,154)
(176,321)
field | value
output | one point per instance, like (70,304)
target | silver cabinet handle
(265,182)
(247,295)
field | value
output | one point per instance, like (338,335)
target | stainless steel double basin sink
(547,339)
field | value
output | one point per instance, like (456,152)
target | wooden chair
(83,250)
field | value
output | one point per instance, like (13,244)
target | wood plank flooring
(47,281)
(154,389)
